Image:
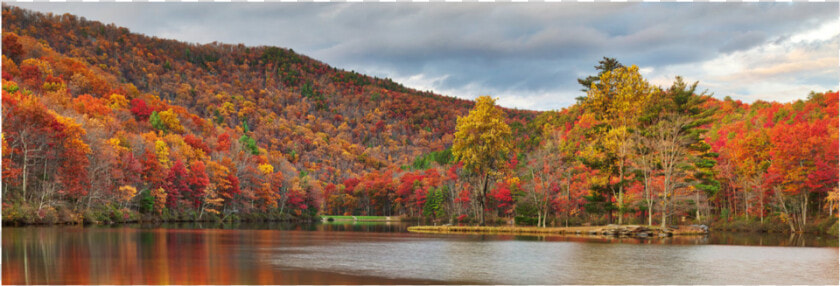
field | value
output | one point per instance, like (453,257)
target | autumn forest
(102,125)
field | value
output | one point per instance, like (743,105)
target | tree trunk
(662,223)
(746,201)
(761,204)
(650,208)
(41,204)
(87,206)
(545,217)
(665,204)
(785,210)
(697,200)
(650,212)
(804,211)
(482,198)
(621,192)
(25,163)
(282,206)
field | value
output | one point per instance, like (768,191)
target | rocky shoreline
(637,231)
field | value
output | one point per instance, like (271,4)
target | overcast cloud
(527,54)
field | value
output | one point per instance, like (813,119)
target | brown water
(386,254)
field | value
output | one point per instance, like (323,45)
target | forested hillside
(100,124)
(310,122)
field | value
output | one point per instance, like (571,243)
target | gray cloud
(531,52)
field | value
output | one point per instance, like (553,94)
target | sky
(529,55)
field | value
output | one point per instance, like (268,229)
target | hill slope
(266,125)
(314,114)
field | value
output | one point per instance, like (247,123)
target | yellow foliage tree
(831,202)
(618,100)
(118,144)
(170,120)
(117,101)
(162,152)
(212,201)
(266,169)
(125,194)
(160,199)
(482,143)
(227,109)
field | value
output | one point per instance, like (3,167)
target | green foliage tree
(158,124)
(605,65)
(249,144)
(688,102)
(147,202)
(434,203)
(442,158)
(307,90)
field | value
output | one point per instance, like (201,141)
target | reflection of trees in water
(718,237)
(772,239)
(363,226)
(796,239)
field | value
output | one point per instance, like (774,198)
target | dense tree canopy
(100,124)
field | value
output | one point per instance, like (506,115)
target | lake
(378,253)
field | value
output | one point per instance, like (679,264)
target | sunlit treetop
(482,138)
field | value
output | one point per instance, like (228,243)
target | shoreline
(638,231)
(338,218)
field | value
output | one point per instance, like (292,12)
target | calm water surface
(387,254)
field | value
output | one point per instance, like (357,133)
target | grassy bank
(359,218)
(15,214)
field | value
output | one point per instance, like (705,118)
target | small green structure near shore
(331,218)
(638,231)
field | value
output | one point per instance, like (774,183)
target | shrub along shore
(348,218)
(17,215)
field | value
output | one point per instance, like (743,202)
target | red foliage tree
(140,110)
(176,184)
(196,143)
(503,197)
(230,191)
(11,47)
(223,142)
(153,173)
(197,182)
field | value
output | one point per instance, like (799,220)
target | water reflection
(184,254)
(326,226)
(539,260)
(379,253)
